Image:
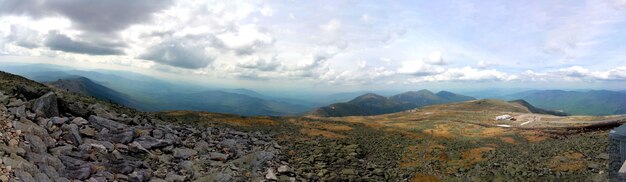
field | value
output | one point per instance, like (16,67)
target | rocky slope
(51,135)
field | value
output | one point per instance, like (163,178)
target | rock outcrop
(45,137)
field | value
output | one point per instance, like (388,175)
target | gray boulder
(216,156)
(23,176)
(37,145)
(46,105)
(100,123)
(184,153)
(41,177)
(59,120)
(50,171)
(76,168)
(150,143)
(18,111)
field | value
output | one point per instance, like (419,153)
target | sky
(329,45)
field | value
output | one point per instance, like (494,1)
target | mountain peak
(419,92)
(373,104)
(368,96)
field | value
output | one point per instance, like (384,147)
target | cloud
(246,40)
(435,58)
(418,68)
(618,73)
(428,66)
(267,10)
(260,64)
(467,74)
(93,16)
(574,71)
(60,42)
(178,53)
(331,26)
(485,64)
(24,37)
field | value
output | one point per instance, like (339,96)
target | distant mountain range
(87,87)
(594,102)
(373,104)
(151,94)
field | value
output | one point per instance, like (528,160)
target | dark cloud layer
(102,16)
(178,54)
(60,42)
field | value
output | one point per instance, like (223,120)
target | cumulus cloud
(93,16)
(331,26)
(618,73)
(178,54)
(574,71)
(57,41)
(435,58)
(24,37)
(260,64)
(467,74)
(418,68)
(267,10)
(246,40)
(433,64)
(486,64)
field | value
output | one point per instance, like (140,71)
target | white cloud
(574,71)
(331,26)
(485,64)
(418,68)
(246,39)
(267,10)
(467,74)
(435,58)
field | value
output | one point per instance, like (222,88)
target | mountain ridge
(374,104)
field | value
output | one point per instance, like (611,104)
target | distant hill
(494,105)
(234,103)
(594,102)
(211,100)
(536,110)
(87,87)
(372,104)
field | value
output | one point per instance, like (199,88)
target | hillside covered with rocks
(51,135)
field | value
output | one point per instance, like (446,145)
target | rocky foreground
(46,136)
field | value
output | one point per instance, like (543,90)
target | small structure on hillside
(503,117)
